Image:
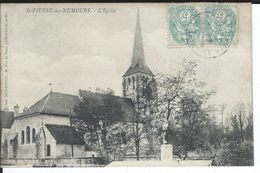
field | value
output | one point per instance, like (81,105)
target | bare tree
(173,87)
(181,96)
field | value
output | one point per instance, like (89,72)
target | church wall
(28,150)
(36,122)
(64,150)
(130,92)
(52,142)
(4,133)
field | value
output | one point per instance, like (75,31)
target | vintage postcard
(96,85)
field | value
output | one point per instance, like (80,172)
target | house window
(22,137)
(33,135)
(27,134)
(48,150)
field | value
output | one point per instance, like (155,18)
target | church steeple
(138,49)
(138,59)
(138,69)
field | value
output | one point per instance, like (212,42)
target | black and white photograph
(126,85)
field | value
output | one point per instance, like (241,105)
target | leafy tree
(214,136)
(238,118)
(249,134)
(120,140)
(188,131)
(237,148)
(234,153)
(98,112)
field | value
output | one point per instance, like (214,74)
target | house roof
(65,134)
(61,104)
(7,119)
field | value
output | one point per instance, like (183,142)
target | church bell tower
(138,69)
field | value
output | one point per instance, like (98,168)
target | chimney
(16,110)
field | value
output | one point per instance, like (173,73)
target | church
(44,130)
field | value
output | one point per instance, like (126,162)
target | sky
(93,50)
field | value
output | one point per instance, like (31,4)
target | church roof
(7,119)
(138,58)
(138,68)
(127,105)
(53,103)
(61,104)
(65,134)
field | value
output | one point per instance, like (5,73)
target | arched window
(33,134)
(142,79)
(129,83)
(27,134)
(133,82)
(146,80)
(22,137)
(124,84)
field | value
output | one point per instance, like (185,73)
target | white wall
(50,141)
(64,150)
(4,133)
(28,150)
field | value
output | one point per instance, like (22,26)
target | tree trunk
(137,154)
(137,145)
(186,154)
(137,141)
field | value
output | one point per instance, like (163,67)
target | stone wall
(63,150)
(58,162)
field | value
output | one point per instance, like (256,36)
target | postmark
(208,29)
(204,49)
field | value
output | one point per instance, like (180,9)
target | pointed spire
(138,50)
(138,60)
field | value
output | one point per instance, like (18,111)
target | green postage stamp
(202,25)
